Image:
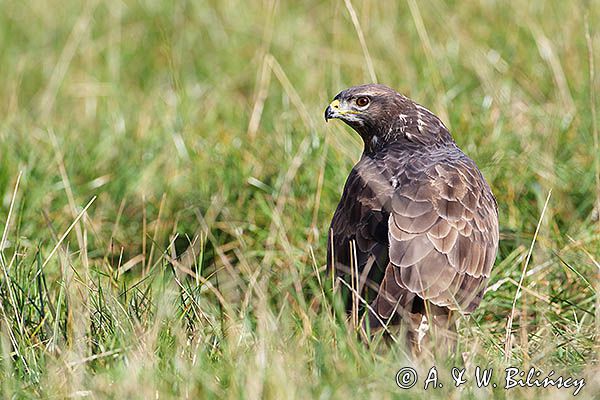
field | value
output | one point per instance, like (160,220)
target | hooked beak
(332,110)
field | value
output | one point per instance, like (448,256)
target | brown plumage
(422,218)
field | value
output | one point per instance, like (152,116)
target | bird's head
(380,115)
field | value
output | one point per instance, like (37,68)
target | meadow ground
(127,129)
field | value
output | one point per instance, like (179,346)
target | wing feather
(430,225)
(443,236)
(408,252)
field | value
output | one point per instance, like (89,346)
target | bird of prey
(415,233)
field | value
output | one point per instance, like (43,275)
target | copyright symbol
(406,378)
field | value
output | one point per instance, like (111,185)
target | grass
(136,128)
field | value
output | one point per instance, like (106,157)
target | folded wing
(443,238)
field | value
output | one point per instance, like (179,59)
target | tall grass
(139,130)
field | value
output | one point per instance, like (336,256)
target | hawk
(415,233)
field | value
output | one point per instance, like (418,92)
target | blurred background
(199,125)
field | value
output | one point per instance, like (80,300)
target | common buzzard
(416,230)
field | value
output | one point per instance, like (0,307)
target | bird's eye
(362,101)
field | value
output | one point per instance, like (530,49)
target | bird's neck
(420,127)
(373,144)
